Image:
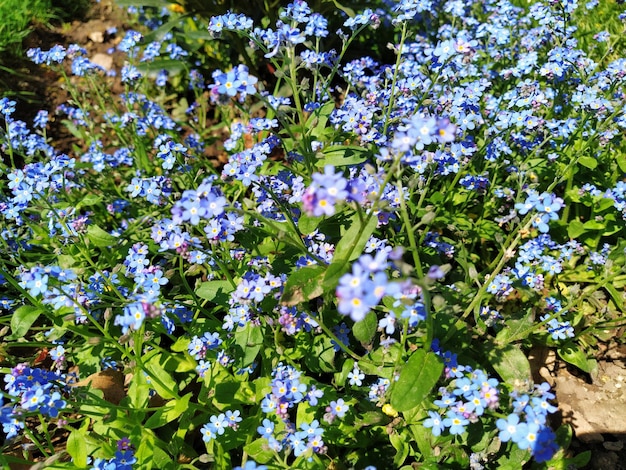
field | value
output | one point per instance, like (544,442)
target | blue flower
(510,428)
(434,422)
(455,422)
(267,429)
(338,408)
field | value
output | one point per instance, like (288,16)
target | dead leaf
(110,381)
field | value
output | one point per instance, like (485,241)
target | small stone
(615,446)
(96,36)
(103,60)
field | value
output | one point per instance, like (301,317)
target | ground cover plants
(358,283)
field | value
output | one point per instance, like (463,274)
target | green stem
(501,260)
(395,78)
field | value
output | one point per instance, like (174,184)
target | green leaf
(22,319)
(423,438)
(321,356)
(341,377)
(417,378)
(381,361)
(99,237)
(215,291)
(304,284)
(308,223)
(370,418)
(77,448)
(488,229)
(510,363)
(575,229)
(249,339)
(515,330)
(616,296)
(171,65)
(89,200)
(573,354)
(621,162)
(321,115)
(160,379)
(169,412)
(354,239)
(305,413)
(581,460)
(402,449)
(259,451)
(365,329)
(594,225)
(139,391)
(588,162)
(514,459)
(343,155)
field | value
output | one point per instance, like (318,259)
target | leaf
(621,162)
(402,449)
(581,460)
(304,284)
(249,339)
(22,319)
(573,354)
(171,65)
(488,229)
(370,418)
(423,438)
(159,379)
(110,381)
(139,391)
(575,229)
(99,237)
(514,459)
(381,361)
(322,115)
(308,223)
(365,329)
(510,363)
(259,451)
(322,355)
(89,200)
(516,329)
(616,296)
(215,291)
(594,225)
(354,239)
(343,155)
(588,162)
(417,378)
(169,412)
(77,448)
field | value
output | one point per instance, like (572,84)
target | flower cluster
(361,290)
(218,424)
(547,206)
(470,394)
(325,192)
(287,392)
(32,390)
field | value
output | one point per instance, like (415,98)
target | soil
(38,87)
(594,405)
